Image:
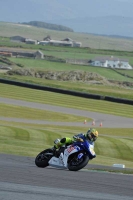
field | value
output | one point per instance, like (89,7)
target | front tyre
(43,157)
(75,166)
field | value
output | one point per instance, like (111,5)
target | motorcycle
(74,158)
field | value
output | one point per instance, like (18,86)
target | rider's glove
(80,140)
(77,139)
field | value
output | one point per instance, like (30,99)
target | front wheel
(74,165)
(42,158)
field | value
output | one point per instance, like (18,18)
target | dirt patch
(3,71)
(71,76)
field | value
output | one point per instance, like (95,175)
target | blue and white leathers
(87,145)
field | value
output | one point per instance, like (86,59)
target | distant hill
(48,26)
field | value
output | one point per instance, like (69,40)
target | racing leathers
(89,148)
(76,138)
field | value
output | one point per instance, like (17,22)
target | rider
(90,136)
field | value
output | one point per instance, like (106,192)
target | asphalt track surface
(21,179)
(109,121)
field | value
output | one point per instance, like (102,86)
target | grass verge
(112,146)
(13,111)
(38,96)
(29,140)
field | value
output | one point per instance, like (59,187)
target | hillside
(88,40)
(48,26)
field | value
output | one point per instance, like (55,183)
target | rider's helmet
(92,134)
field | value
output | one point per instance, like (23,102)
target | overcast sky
(26,10)
(93,16)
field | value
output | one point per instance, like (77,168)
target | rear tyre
(42,158)
(73,166)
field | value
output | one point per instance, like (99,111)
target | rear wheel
(42,158)
(77,164)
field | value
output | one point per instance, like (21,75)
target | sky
(25,10)
(64,12)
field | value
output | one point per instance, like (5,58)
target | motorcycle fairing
(88,147)
(56,162)
(62,160)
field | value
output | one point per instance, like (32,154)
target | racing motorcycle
(74,158)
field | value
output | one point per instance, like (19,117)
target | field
(56,66)
(30,95)
(88,40)
(114,145)
(105,89)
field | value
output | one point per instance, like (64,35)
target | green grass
(14,111)
(125,72)
(55,66)
(38,96)
(114,145)
(30,141)
(67,52)
(104,90)
(83,55)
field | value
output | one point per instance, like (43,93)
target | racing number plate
(71,148)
